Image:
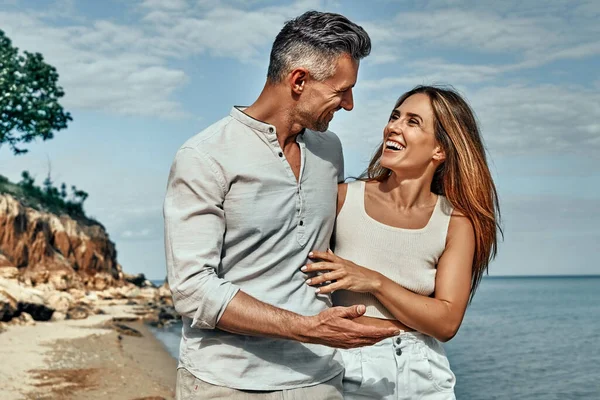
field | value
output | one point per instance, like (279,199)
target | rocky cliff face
(44,249)
(54,268)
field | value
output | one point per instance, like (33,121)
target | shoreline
(106,356)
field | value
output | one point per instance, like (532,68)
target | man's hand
(334,328)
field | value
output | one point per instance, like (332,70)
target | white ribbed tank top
(406,256)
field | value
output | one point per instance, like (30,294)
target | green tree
(63,191)
(29,95)
(27,181)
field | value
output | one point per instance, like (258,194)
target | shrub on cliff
(48,197)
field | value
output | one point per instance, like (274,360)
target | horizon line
(505,276)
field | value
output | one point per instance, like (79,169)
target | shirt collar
(268,130)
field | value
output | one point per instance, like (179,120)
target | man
(247,200)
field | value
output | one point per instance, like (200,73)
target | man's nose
(347,101)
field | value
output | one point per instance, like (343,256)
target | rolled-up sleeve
(194,229)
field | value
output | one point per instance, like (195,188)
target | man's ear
(297,79)
(439,154)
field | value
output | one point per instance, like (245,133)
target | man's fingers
(367,331)
(386,332)
(351,312)
(367,337)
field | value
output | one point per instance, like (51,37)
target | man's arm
(333,327)
(194,228)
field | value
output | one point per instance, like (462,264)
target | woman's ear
(439,154)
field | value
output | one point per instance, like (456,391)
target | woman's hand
(346,274)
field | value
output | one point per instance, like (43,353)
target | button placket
(300,207)
(300,224)
(275,143)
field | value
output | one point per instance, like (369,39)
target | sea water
(522,338)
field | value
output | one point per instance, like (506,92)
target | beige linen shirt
(236,218)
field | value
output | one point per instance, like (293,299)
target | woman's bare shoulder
(460,227)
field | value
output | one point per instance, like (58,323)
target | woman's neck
(408,193)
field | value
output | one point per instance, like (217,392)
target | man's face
(322,99)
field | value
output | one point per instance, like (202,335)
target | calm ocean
(522,338)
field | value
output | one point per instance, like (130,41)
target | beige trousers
(191,388)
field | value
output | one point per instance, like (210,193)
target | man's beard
(320,125)
(312,123)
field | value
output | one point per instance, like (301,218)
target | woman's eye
(413,121)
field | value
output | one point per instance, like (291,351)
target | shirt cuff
(214,303)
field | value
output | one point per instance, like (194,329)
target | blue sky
(143,76)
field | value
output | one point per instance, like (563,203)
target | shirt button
(271,129)
(301,223)
(398,352)
(398,340)
(280,154)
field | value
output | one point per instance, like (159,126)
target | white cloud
(143,234)
(435,72)
(171,5)
(102,66)
(523,40)
(538,119)
(125,69)
(514,118)
(472,30)
(224,28)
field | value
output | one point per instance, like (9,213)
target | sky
(142,76)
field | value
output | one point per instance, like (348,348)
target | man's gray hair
(314,41)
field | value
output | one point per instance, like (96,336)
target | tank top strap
(440,219)
(354,201)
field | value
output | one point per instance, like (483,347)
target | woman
(413,238)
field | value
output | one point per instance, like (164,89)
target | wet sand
(102,357)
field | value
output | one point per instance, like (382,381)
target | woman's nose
(394,127)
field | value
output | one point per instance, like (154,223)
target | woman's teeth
(390,144)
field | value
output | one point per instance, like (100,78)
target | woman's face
(408,138)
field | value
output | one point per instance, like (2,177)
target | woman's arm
(439,316)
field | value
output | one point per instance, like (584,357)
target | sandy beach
(107,356)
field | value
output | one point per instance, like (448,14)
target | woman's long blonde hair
(464,177)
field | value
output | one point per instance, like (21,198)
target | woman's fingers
(332,287)
(326,256)
(319,279)
(320,266)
